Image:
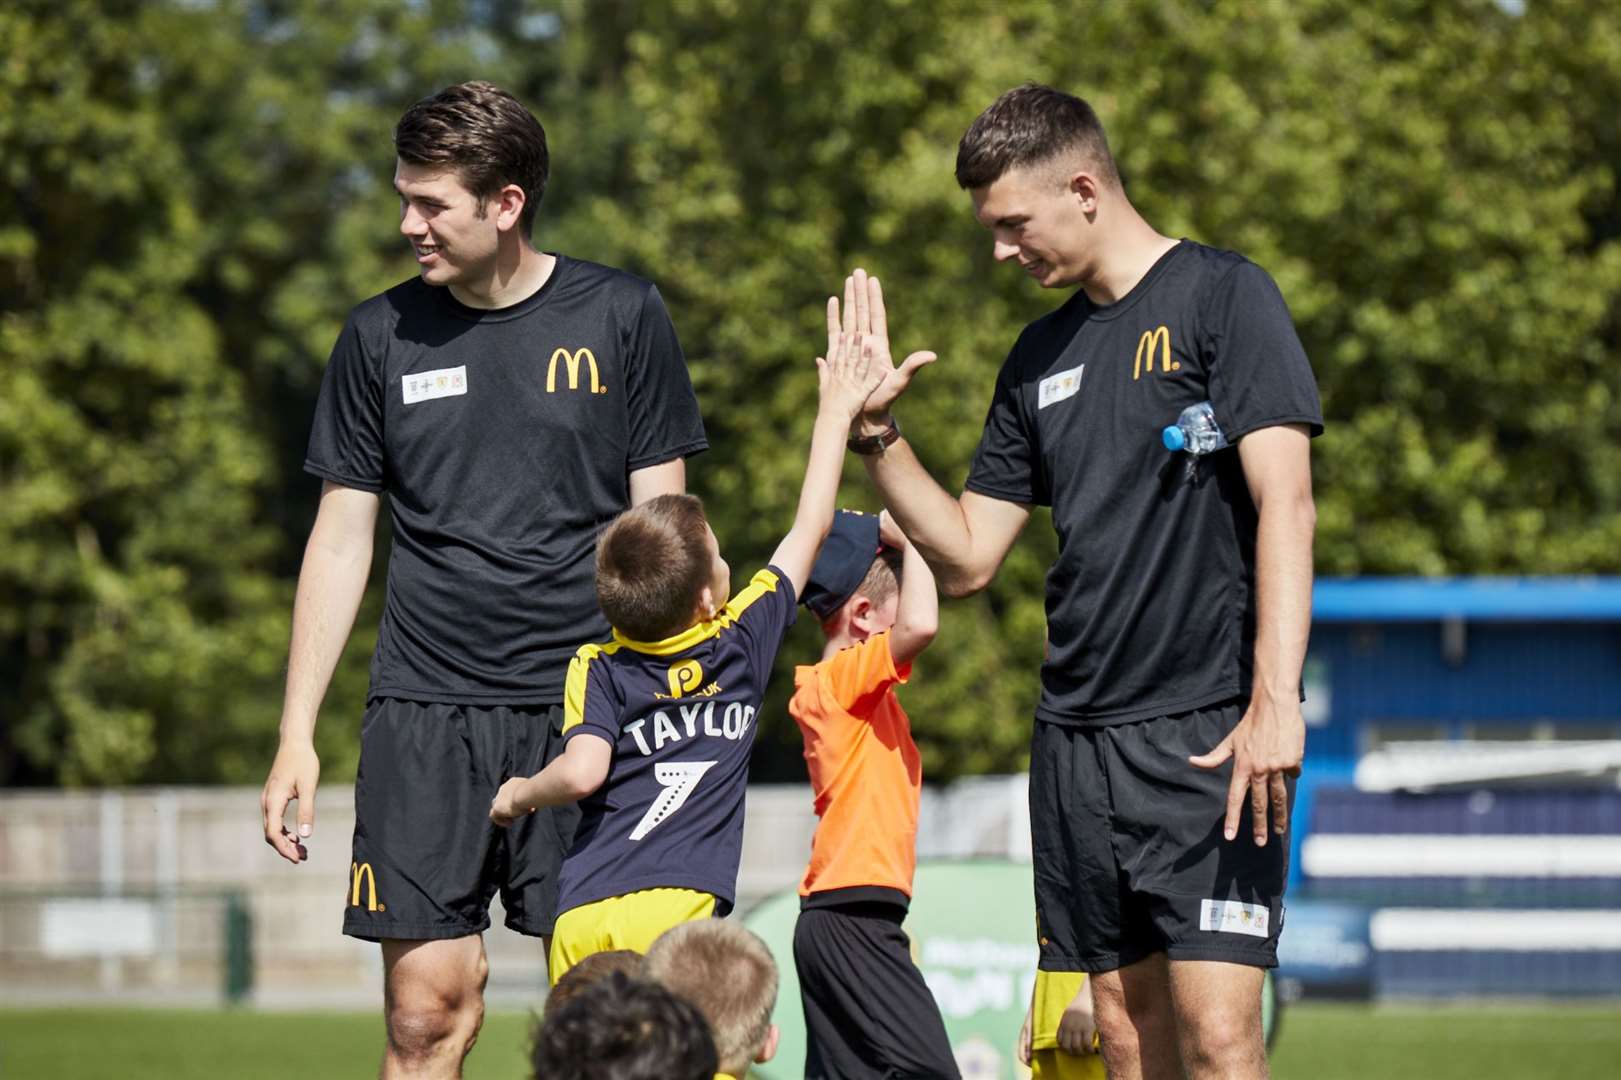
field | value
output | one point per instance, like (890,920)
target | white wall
(173,854)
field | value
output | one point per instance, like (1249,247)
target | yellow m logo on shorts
(1143,362)
(571,361)
(359,872)
(685,677)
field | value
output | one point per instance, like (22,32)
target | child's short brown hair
(591,969)
(652,564)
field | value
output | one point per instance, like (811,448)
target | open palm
(863,313)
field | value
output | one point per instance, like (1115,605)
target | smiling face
(1044,219)
(455,236)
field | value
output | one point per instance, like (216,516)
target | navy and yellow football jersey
(680,714)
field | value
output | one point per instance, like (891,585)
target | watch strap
(875,444)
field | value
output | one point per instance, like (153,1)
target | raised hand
(863,313)
(847,375)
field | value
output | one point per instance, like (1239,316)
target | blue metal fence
(1487,886)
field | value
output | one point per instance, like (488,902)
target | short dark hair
(883,578)
(587,972)
(729,974)
(621,1028)
(486,136)
(652,564)
(1031,125)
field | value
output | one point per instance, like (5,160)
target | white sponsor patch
(1058,386)
(427,385)
(1231,917)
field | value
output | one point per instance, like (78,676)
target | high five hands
(863,314)
(847,376)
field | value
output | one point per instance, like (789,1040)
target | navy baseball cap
(846,555)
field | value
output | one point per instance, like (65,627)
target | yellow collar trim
(762,583)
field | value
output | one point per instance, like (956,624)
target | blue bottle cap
(1173,438)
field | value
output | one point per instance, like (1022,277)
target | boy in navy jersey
(659,722)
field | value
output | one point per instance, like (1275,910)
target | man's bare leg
(433,1001)
(1218,1019)
(1136,1026)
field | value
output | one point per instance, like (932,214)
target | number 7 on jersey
(677,779)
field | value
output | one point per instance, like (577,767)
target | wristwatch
(875,444)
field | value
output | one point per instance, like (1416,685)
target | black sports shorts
(427,859)
(1129,856)
(868,1012)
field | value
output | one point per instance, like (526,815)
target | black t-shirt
(680,715)
(1151,603)
(504,440)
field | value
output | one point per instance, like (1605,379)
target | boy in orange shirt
(868,1012)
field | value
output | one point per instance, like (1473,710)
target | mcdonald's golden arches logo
(571,363)
(362,872)
(1143,363)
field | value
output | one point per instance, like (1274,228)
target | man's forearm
(932,520)
(1283,575)
(330,585)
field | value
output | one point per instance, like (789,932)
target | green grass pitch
(1317,1042)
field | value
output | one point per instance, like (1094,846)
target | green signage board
(972,925)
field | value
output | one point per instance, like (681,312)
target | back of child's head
(652,564)
(729,974)
(620,1028)
(588,971)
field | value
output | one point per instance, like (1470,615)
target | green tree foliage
(1432,185)
(195,192)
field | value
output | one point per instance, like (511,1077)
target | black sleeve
(1007,463)
(664,419)
(1259,374)
(346,440)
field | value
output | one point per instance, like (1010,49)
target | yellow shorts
(1054,991)
(632,921)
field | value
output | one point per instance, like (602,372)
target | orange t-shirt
(864,769)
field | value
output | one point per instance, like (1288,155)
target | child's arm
(917,617)
(1077,1028)
(575,773)
(846,377)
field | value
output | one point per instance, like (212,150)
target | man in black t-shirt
(510,402)
(1179,603)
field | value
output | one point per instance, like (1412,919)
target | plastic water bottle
(1195,431)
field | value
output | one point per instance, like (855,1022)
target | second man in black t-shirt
(1179,603)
